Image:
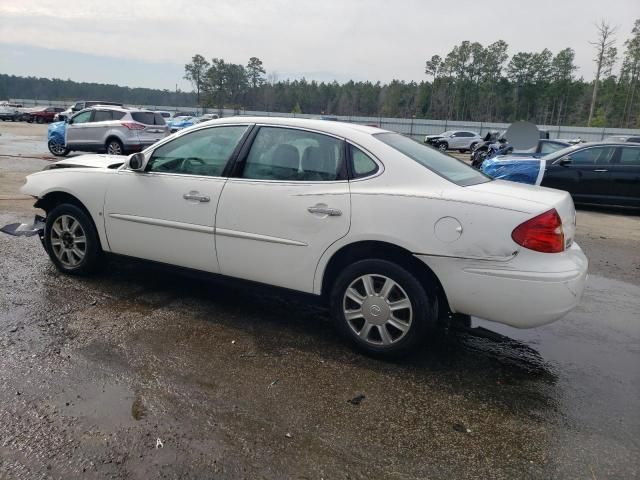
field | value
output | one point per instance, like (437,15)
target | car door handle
(324,210)
(601,170)
(193,195)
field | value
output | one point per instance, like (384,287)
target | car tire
(114,147)
(57,148)
(443,146)
(71,240)
(462,150)
(371,325)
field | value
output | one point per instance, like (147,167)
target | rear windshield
(148,118)
(447,167)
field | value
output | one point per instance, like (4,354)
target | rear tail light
(133,125)
(542,233)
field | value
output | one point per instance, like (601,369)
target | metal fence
(414,127)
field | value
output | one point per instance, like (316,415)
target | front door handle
(324,210)
(194,195)
(601,170)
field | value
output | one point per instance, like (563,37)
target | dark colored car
(43,116)
(596,173)
(544,147)
(623,138)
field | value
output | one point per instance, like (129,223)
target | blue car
(178,123)
(55,139)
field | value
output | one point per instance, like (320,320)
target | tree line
(472,82)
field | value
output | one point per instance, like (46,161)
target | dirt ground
(141,373)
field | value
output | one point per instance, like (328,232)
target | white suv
(461,140)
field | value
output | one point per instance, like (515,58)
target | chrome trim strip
(164,223)
(256,236)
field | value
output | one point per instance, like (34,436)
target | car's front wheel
(443,146)
(71,240)
(382,307)
(57,148)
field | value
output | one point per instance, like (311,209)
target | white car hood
(92,161)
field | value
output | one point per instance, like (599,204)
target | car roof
(336,128)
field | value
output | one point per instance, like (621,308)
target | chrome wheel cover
(68,241)
(377,309)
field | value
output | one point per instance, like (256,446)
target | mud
(137,372)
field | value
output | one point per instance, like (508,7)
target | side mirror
(69,120)
(136,162)
(565,161)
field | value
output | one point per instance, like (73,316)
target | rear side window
(630,156)
(361,163)
(592,156)
(447,167)
(102,116)
(293,155)
(148,118)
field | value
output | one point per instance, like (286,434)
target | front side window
(293,155)
(204,152)
(550,147)
(592,156)
(82,117)
(447,167)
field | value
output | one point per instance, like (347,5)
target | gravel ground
(141,373)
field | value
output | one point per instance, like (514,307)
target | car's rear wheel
(57,148)
(443,146)
(71,240)
(114,147)
(382,308)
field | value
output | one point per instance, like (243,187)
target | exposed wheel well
(53,199)
(384,251)
(112,137)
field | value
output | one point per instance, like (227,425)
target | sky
(145,43)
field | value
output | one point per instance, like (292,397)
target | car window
(592,156)
(550,147)
(82,117)
(293,155)
(454,170)
(630,156)
(362,164)
(102,116)
(78,106)
(204,152)
(634,139)
(148,118)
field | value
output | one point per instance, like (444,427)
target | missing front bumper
(26,229)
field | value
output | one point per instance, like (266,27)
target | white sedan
(391,233)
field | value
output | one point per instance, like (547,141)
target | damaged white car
(391,233)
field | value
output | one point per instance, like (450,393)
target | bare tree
(605,57)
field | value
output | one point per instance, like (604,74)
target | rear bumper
(511,293)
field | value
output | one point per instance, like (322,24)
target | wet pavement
(137,372)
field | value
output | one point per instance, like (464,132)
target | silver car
(115,130)
(461,140)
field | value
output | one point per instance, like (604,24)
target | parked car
(623,138)
(544,147)
(461,140)
(167,115)
(208,116)
(328,209)
(179,123)
(184,114)
(593,173)
(81,105)
(42,115)
(115,130)
(9,113)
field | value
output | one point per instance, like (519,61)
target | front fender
(87,186)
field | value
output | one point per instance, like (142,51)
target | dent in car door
(290,205)
(167,213)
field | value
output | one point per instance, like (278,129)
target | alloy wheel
(114,148)
(377,309)
(68,241)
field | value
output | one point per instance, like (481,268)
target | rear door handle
(324,210)
(193,195)
(601,170)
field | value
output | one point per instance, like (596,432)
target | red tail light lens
(542,233)
(133,125)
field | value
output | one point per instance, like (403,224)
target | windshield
(446,134)
(560,153)
(447,167)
